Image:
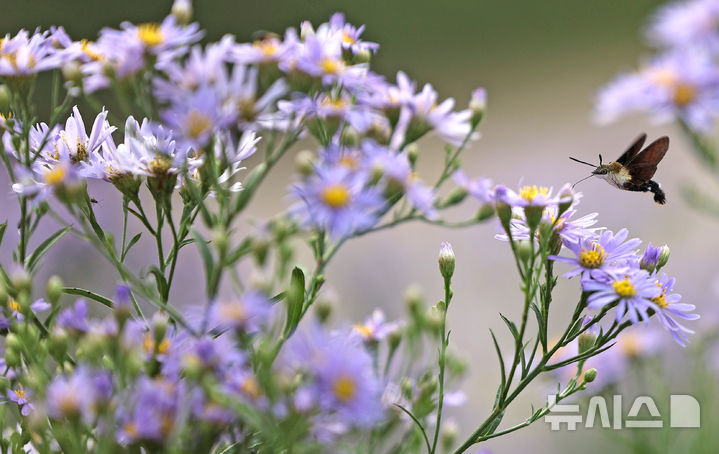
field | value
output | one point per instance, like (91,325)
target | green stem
(442,361)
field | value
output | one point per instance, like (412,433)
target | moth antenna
(582,162)
(590,176)
(600,159)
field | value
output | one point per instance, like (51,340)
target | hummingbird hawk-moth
(634,169)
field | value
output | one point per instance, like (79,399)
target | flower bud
(504,211)
(590,375)
(412,153)
(182,11)
(663,256)
(4,98)
(533,213)
(446,260)
(58,344)
(524,250)
(12,358)
(566,199)
(72,72)
(450,430)
(54,289)
(12,342)
(123,299)
(305,162)
(485,212)
(159,327)
(650,258)
(478,106)
(406,388)
(586,341)
(323,310)
(20,280)
(219,239)
(393,339)
(456,196)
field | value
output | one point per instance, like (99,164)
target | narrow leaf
(130,243)
(88,294)
(295,300)
(512,327)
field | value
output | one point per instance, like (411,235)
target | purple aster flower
(349,35)
(15,310)
(149,413)
(669,308)
(74,143)
(195,118)
(685,24)
(24,55)
(80,394)
(341,382)
(375,328)
(337,200)
(398,175)
(46,178)
(675,85)
(333,110)
(21,396)
(74,318)
(601,255)
(248,314)
(537,196)
(479,188)
(632,292)
(650,258)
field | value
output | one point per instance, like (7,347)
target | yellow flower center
(664,77)
(150,34)
(331,66)
(14,306)
(250,387)
(56,176)
(630,344)
(130,429)
(160,165)
(624,288)
(68,404)
(528,193)
(349,161)
(336,195)
(268,47)
(87,50)
(344,388)
(81,154)
(197,124)
(684,94)
(149,345)
(347,39)
(364,330)
(592,258)
(20,393)
(233,311)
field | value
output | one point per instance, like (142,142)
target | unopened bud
(586,341)
(412,153)
(524,250)
(72,72)
(456,196)
(54,289)
(305,162)
(323,310)
(20,280)
(58,344)
(590,375)
(219,239)
(159,327)
(182,11)
(533,213)
(478,106)
(663,256)
(450,430)
(446,260)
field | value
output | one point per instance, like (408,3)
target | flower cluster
(612,273)
(682,82)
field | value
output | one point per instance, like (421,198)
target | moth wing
(632,150)
(643,166)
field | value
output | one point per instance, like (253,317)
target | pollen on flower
(250,387)
(81,154)
(197,124)
(684,94)
(624,288)
(87,50)
(149,345)
(14,306)
(19,392)
(660,300)
(592,258)
(528,193)
(234,312)
(150,34)
(344,388)
(331,66)
(160,165)
(55,176)
(364,330)
(268,47)
(336,195)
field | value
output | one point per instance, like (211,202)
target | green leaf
(295,300)
(3,226)
(159,279)
(88,294)
(182,244)
(206,255)
(512,327)
(32,260)
(501,361)
(130,243)
(243,249)
(418,423)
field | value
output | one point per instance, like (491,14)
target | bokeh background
(542,63)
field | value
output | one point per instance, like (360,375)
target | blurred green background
(542,63)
